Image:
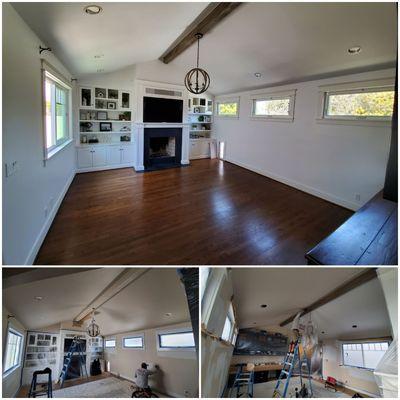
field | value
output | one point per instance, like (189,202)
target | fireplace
(162,148)
(74,370)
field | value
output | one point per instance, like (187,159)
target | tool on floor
(76,347)
(294,356)
(46,388)
(243,380)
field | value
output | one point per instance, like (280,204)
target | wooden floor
(210,213)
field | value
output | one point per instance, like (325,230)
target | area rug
(108,387)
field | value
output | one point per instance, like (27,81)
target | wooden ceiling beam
(205,22)
(360,279)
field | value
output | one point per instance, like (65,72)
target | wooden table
(369,237)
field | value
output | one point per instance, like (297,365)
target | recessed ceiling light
(38,298)
(168,314)
(323,332)
(257,74)
(100,70)
(99,56)
(354,326)
(263,306)
(93,9)
(354,50)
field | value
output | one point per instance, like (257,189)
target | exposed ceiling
(285,42)
(143,304)
(286,291)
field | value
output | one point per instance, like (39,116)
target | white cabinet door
(99,156)
(84,157)
(127,155)
(204,148)
(114,155)
(194,149)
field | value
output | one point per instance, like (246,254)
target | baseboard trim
(169,394)
(304,188)
(43,232)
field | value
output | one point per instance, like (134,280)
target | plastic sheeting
(190,279)
(386,373)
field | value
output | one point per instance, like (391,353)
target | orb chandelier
(197,80)
(93,329)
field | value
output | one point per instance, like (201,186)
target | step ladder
(46,387)
(292,358)
(76,347)
(243,380)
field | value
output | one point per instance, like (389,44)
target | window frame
(109,340)
(372,86)
(281,95)
(231,317)
(204,281)
(362,351)
(227,100)
(174,348)
(53,76)
(20,351)
(133,347)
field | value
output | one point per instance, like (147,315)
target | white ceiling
(288,290)
(284,41)
(125,33)
(143,304)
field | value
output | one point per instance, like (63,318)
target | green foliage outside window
(229,109)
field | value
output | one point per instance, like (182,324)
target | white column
(185,144)
(138,143)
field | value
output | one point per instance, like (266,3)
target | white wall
(178,374)
(34,186)
(331,161)
(12,381)
(357,379)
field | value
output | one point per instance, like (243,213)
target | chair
(46,389)
(331,383)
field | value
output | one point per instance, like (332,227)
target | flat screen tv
(158,109)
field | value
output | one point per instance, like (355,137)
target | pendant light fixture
(93,329)
(197,80)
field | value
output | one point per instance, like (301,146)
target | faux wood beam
(124,279)
(360,279)
(207,20)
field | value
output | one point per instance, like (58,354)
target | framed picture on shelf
(105,126)
(102,115)
(99,92)
(111,105)
(112,94)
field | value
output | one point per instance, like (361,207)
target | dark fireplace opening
(162,148)
(74,370)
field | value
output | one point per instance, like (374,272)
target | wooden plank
(207,20)
(349,242)
(359,280)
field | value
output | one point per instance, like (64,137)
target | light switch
(11,168)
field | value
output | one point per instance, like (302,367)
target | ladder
(243,379)
(292,358)
(76,347)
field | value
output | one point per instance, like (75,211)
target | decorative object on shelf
(93,329)
(86,126)
(94,140)
(125,129)
(102,115)
(197,79)
(111,105)
(125,116)
(84,139)
(196,110)
(100,93)
(112,94)
(125,138)
(105,126)
(125,100)
(101,104)
(201,118)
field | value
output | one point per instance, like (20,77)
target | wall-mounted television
(258,342)
(159,109)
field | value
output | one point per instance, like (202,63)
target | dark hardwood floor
(210,213)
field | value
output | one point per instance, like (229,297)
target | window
(204,274)
(358,102)
(13,351)
(57,104)
(176,340)
(228,331)
(278,106)
(228,108)
(133,342)
(363,355)
(110,343)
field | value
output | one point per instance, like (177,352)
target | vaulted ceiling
(287,291)
(142,304)
(284,42)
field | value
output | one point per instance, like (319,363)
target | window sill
(10,371)
(227,116)
(353,366)
(356,122)
(271,119)
(56,150)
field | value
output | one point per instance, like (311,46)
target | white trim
(304,188)
(134,336)
(105,167)
(58,148)
(184,329)
(43,232)
(352,85)
(274,95)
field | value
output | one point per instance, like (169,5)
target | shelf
(83,108)
(106,99)
(206,113)
(104,144)
(200,130)
(95,133)
(103,120)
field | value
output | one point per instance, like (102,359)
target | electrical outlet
(11,168)
(358,197)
